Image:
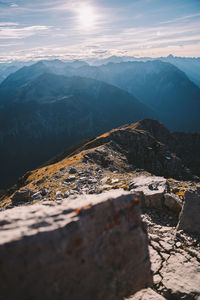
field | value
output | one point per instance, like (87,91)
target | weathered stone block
(173,203)
(90,247)
(153,188)
(190,214)
(22,196)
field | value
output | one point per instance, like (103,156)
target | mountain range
(159,85)
(48,106)
(189,65)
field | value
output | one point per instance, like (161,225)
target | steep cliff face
(151,146)
(185,145)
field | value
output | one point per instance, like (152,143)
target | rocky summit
(117,218)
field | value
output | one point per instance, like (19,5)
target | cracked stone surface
(156,260)
(181,276)
(175,258)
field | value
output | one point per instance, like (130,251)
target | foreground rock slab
(90,247)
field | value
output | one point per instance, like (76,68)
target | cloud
(8,24)
(13,5)
(187,17)
(100,52)
(120,28)
(3,45)
(7,32)
(8,4)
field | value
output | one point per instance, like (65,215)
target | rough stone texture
(190,214)
(174,255)
(173,203)
(153,188)
(90,247)
(146,294)
(181,277)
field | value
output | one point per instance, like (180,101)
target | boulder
(190,214)
(23,195)
(173,203)
(43,191)
(89,247)
(72,171)
(36,196)
(153,188)
(146,294)
(70,178)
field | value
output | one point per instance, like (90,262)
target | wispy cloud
(4,45)
(13,5)
(7,32)
(48,28)
(187,17)
(8,24)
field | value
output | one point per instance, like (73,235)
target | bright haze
(68,29)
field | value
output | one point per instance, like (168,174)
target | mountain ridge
(130,149)
(159,85)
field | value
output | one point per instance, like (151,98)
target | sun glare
(86,17)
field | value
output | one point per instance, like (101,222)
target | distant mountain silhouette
(159,85)
(189,65)
(8,68)
(9,87)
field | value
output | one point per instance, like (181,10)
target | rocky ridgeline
(47,201)
(172,222)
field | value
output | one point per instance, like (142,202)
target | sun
(86,17)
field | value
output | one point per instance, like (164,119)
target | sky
(74,29)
